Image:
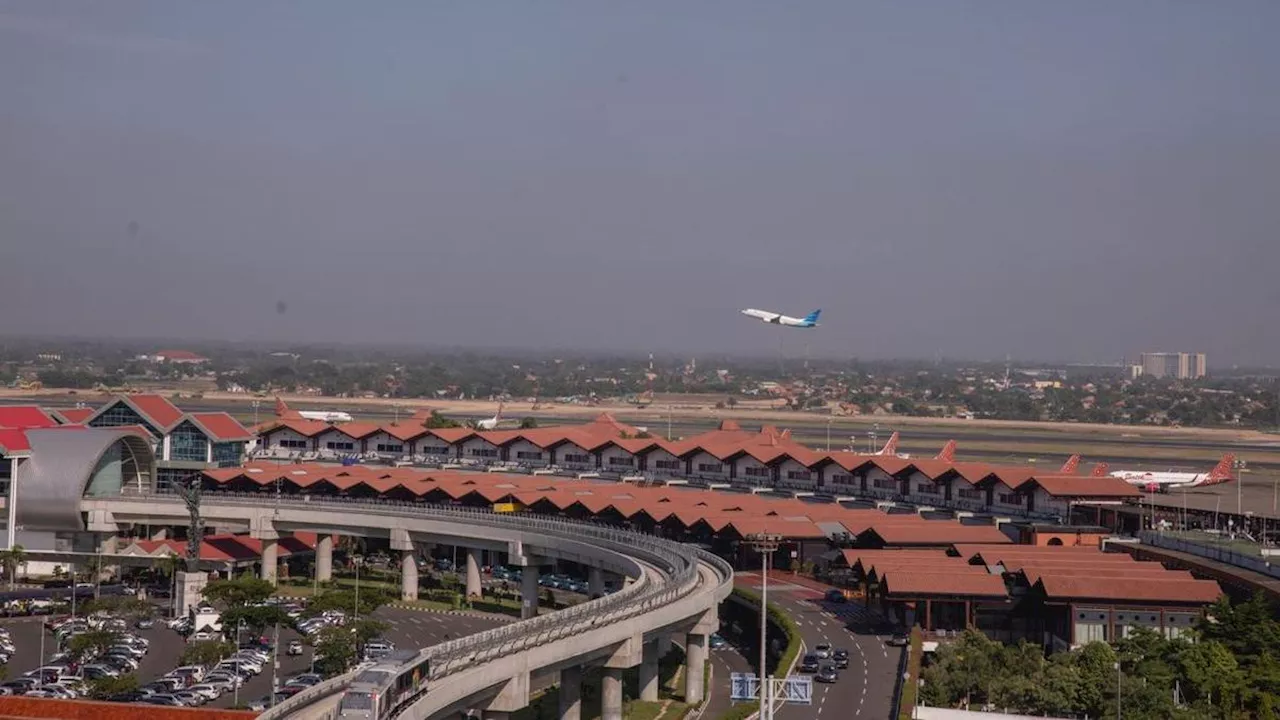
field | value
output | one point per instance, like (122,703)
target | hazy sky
(1048,179)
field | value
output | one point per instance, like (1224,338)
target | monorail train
(386,687)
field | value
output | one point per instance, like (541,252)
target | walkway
(1238,577)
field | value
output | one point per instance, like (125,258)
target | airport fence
(1209,551)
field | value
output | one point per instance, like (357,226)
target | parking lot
(408,629)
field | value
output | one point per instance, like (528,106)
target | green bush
(780,619)
(911,683)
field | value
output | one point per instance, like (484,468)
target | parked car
(145,624)
(295,648)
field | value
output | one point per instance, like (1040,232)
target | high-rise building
(1179,365)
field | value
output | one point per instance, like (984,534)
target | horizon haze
(1078,181)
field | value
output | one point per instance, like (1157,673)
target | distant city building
(1178,365)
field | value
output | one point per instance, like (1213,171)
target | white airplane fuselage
(774,318)
(325,415)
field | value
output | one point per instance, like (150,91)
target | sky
(1075,181)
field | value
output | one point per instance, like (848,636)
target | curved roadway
(676,588)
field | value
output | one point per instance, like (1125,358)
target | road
(724,662)
(865,689)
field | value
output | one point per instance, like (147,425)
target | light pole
(1118,675)
(256,404)
(765,544)
(829,419)
(236,684)
(355,611)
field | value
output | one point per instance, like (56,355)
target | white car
(202,636)
(208,692)
(822,650)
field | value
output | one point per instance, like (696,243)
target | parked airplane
(1157,481)
(330,416)
(1100,470)
(891,447)
(491,423)
(1069,467)
(773,318)
(948,452)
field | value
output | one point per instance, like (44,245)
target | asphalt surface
(865,689)
(409,629)
(724,662)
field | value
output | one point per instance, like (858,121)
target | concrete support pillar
(473,573)
(649,672)
(270,560)
(408,576)
(611,694)
(695,648)
(528,592)
(571,693)
(595,582)
(324,558)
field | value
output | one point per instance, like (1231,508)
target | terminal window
(886,483)
(756,471)
(338,445)
(970,494)
(926,488)
(667,464)
(577,458)
(799,475)
(294,444)
(842,479)
(484,452)
(710,468)
(186,442)
(628,461)
(435,450)
(528,455)
(390,447)
(1010,499)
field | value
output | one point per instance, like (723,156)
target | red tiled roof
(25,416)
(980,584)
(14,441)
(179,355)
(75,415)
(405,432)
(1086,486)
(305,428)
(221,427)
(357,430)
(156,408)
(1144,589)
(939,533)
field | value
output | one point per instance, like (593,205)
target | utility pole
(766,544)
(1118,675)
(829,419)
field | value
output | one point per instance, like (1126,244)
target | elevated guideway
(671,589)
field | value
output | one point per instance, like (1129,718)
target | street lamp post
(766,544)
(829,419)
(355,611)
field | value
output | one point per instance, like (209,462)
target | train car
(382,689)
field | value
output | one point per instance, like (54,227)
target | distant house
(180,357)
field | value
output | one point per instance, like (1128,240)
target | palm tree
(169,565)
(12,559)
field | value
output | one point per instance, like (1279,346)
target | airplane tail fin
(1100,470)
(1222,471)
(813,316)
(890,445)
(281,408)
(1069,467)
(948,452)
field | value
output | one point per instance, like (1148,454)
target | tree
(119,605)
(436,420)
(254,618)
(104,688)
(12,559)
(528,423)
(238,592)
(91,643)
(333,650)
(371,598)
(206,652)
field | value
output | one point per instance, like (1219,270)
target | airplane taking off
(773,318)
(1157,481)
(283,411)
(492,423)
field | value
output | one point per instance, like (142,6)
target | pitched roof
(155,408)
(939,533)
(25,416)
(13,441)
(220,427)
(75,415)
(967,584)
(1086,486)
(1180,591)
